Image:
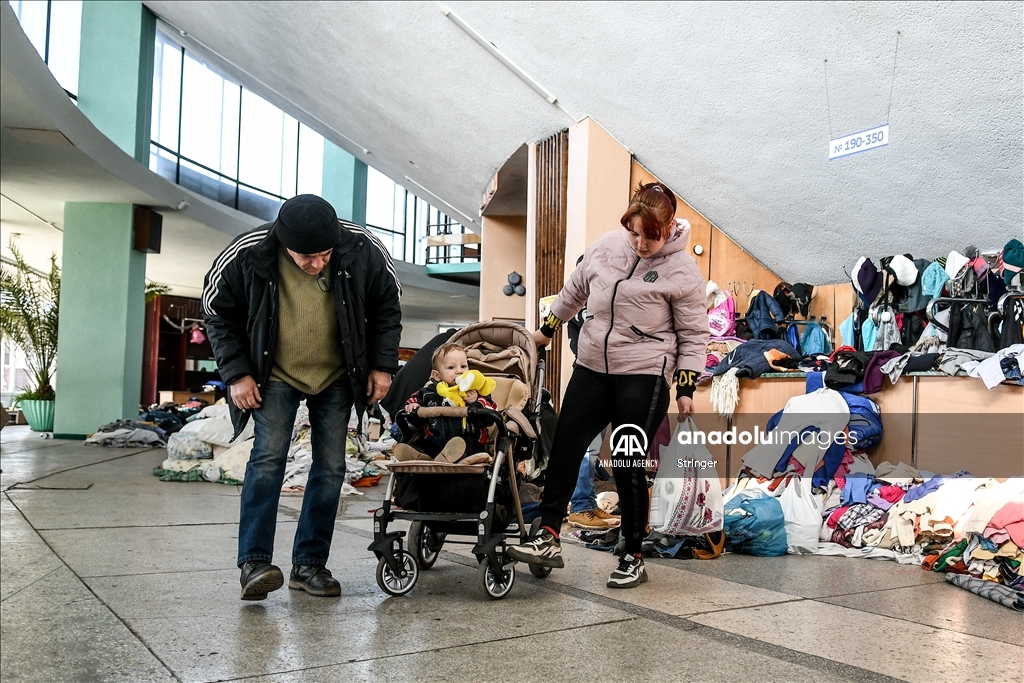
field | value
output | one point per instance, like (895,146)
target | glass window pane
(289,157)
(380,199)
(65,40)
(202,181)
(261,158)
(391,240)
(32,15)
(166,92)
(311,162)
(209,118)
(256,203)
(163,163)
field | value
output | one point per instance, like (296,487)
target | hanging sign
(858,142)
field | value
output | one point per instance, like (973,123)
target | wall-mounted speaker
(147,229)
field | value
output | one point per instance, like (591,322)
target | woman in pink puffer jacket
(646,326)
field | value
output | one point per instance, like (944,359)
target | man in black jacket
(304,307)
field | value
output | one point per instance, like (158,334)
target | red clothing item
(891,493)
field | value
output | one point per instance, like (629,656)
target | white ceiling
(726,102)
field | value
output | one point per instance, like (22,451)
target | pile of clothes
(203,450)
(833,501)
(129,434)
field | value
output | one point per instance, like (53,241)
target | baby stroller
(507,353)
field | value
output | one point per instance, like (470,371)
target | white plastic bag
(687,495)
(802,511)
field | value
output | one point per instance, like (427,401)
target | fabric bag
(686,500)
(802,513)
(722,318)
(755,525)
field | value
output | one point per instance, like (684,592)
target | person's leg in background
(328,419)
(641,400)
(261,490)
(583,509)
(586,409)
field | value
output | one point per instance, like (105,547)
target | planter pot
(39,415)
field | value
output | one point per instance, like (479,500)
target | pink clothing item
(891,493)
(833,519)
(1009,521)
(644,316)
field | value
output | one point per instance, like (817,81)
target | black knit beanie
(307,224)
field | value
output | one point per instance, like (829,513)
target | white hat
(955,262)
(855,271)
(904,270)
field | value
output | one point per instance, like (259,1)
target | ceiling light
(499,55)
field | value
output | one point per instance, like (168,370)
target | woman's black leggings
(591,401)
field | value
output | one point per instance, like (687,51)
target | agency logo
(628,441)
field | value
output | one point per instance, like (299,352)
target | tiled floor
(108,574)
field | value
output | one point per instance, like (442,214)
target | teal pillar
(115,76)
(345,183)
(102,305)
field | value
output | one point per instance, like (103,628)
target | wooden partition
(505,254)
(936,424)
(552,161)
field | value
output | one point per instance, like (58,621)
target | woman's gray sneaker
(629,573)
(544,551)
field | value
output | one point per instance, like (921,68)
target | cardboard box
(179,397)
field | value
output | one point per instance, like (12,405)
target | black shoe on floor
(315,580)
(259,578)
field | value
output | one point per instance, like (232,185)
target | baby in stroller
(447,439)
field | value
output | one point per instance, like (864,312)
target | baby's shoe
(453,450)
(403,452)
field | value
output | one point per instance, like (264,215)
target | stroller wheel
(424,544)
(496,585)
(393,584)
(535,569)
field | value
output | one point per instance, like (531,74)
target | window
(405,223)
(224,142)
(55,29)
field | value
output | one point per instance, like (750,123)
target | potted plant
(29,301)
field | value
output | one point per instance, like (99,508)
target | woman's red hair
(655,206)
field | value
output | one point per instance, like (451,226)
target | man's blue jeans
(261,491)
(583,497)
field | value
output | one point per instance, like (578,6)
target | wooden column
(552,183)
(151,352)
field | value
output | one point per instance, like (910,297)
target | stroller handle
(486,414)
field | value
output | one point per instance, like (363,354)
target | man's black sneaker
(629,573)
(544,551)
(259,578)
(315,580)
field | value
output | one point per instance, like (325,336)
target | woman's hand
(541,339)
(685,406)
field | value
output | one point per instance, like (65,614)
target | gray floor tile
(810,576)
(668,590)
(942,605)
(21,564)
(893,647)
(291,630)
(604,652)
(156,549)
(167,503)
(56,630)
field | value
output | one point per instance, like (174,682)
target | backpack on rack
(722,318)
(865,422)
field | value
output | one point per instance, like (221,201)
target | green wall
(102,304)
(344,183)
(115,77)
